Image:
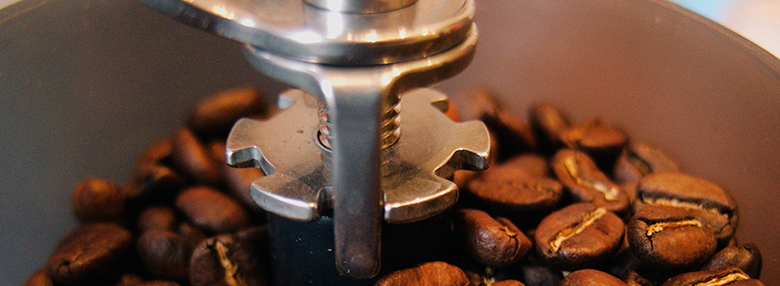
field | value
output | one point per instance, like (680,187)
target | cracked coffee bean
(591,277)
(212,210)
(729,276)
(90,254)
(427,274)
(640,159)
(232,259)
(707,201)
(669,238)
(98,200)
(578,236)
(747,258)
(586,183)
(491,242)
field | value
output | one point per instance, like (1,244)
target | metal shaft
(360,6)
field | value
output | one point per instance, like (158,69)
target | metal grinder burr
(346,167)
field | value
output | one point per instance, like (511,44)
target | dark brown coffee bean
(728,276)
(228,259)
(158,153)
(193,236)
(586,183)
(513,192)
(640,159)
(193,159)
(211,210)
(669,238)
(602,142)
(90,254)
(535,273)
(154,183)
(39,278)
(157,217)
(747,258)
(491,242)
(634,279)
(508,283)
(707,201)
(578,236)
(165,254)
(513,135)
(98,200)
(535,164)
(549,124)
(591,277)
(426,274)
(129,279)
(214,116)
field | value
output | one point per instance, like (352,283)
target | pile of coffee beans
(562,204)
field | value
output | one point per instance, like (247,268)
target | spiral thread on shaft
(389,126)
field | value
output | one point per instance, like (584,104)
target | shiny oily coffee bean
(548,123)
(586,183)
(578,236)
(90,254)
(591,277)
(669,238)
(214,116)
(491,242)
(601,141)
(746,257)
(640,159)
(165,254)
(729,276)
(513,192)
(193,159)
(98,200)
(232,259)
(427,274)
(212,210)
(707,201)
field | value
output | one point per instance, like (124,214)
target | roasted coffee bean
(39,278)
(508,283)
(154,183)
(578,236)
(157,217)
(640,159)
(669,238)
(192,235)
(158,153)
(426,274)
(165,254)
(129,279)
(90,254)
(747,258)
(706,200)
(549,124)
(98,200)
(535,273)
(600,141)
(533,163)
(211,210)
(591,277)
(214,116)
(232,259)
(634,279)
(193,159)
(513,135)
(514,192)
(586,183)
(728,276)
(491,242)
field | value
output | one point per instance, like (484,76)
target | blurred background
(756,20)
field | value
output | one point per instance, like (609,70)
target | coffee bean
(492,242)
(578,236)
(232,259)
(39,278)
(533,163)
(730,276)
(634,279)
(707,201)
(599,140)
(747,258)
(426,274)
(514,192)
(640,159)
(129,279)
(591,277)
(157,217)
(193,159)
(211,210)
(549,124)
(98,200)
(508,283)
(165,254)
(669,238)
(586,183)
(90,254)
(513,135)
(214,116)
(154,183)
